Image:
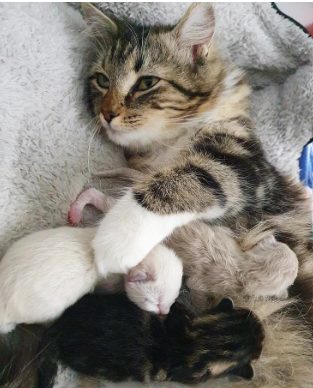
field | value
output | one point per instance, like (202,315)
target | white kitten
(44,273)
(155,283)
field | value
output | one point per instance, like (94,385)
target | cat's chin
(117,137)
(129,139)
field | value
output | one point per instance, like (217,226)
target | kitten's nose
(109,115)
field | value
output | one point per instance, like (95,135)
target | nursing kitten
(111,337)
(214,264)
(286,360)
(182,115)
(44,273)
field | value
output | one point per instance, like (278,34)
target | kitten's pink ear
(196,28)
(139,275)
(99,23)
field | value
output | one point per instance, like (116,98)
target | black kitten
(109,336)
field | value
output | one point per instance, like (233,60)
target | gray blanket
(47,147)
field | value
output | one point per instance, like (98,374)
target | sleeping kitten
(214,264)
(44,273)
(154,284)
(109,336)
(182,115)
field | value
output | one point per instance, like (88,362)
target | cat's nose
(109,115)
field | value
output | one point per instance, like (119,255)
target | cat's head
(222,342)
(154,284)
(146,83)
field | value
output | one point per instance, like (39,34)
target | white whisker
(132,31)
(95,130)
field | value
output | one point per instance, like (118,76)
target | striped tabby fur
(192,136)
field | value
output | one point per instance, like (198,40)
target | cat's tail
(18,356)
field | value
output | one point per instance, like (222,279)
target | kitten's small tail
(18,356)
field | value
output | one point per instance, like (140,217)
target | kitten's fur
(109,336)
(213,261)
(154,284)
(44,273)
(215,265)
(287,356)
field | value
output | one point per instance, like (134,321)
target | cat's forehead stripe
(139,59)
(127,82)
(121,53)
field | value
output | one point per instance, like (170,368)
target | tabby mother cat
(182,116)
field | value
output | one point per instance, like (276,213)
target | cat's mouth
(110,127)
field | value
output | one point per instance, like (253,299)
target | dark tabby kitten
(182,115)
(109,336)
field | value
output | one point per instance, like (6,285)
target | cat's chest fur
(159,154)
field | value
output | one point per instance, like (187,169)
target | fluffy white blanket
(44,127)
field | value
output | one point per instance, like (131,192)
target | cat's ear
(225,305)
(245,372)
(99,23)
(139,275)
(196,29)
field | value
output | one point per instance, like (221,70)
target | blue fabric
(306,165)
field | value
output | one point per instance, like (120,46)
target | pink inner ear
(137,277)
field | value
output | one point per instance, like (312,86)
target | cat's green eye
(103,81)
(146,83)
